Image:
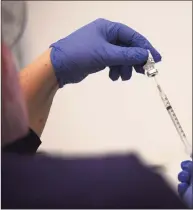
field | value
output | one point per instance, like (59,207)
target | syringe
(188,148)
(151,71)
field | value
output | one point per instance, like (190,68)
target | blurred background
(98,116)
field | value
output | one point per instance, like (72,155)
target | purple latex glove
(97,45)
(186,186)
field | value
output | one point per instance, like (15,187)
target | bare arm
(39,86)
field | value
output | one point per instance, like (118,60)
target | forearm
(39,85)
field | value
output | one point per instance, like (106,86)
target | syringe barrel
(179,130)
(175,121)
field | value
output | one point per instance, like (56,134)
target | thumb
(129,56)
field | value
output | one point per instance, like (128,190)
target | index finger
(130,37)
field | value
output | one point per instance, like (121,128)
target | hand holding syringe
(151,71)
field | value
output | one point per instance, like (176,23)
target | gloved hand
(186,186)
(97,45)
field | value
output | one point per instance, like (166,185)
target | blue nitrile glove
(97,45)
(186,186)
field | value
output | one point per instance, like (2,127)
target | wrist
(56,60)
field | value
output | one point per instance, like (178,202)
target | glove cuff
(57,64)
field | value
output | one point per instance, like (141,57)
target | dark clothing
(39,181)
(27,145)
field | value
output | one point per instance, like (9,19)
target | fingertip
(184,176)
(126,72)
(157,58)
(114,73)
(139,69)
(156,55)
(186,164)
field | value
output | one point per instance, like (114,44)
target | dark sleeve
(106,182)
(26,145)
